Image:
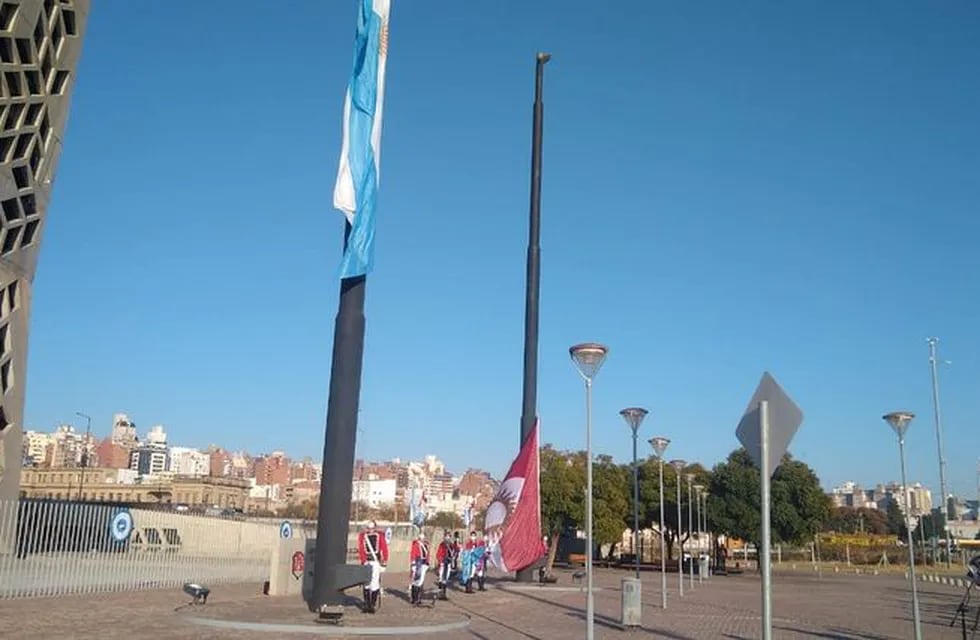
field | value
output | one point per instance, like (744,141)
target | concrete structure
(40,44)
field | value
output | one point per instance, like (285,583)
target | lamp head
(678,465)
(634,417)
(588,357)
(899,421)
(659,445)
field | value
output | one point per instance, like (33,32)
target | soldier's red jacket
(420,551)
(378,544)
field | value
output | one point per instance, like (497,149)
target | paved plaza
(805,606)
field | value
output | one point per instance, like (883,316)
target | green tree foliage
(860,520)
(611,486)
(562,494)
(649,474)
(799,506)
(930,525)
(895,519)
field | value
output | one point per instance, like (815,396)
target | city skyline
(99,436)
(788,189)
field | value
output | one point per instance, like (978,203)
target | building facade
(123,485)
(40,44)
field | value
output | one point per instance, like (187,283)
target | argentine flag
(356,190)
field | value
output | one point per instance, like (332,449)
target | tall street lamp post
(659,445)
(690,520)
(939,445)
(698,493)
(899,421)
(588,357)
(88,434)
(634,418)
(678,467)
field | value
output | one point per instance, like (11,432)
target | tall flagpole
(530,396)
(354,194)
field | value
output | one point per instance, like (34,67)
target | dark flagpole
(529,413)
(331,573)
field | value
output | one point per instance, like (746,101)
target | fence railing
(50,548)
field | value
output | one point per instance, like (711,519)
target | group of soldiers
(453,559)
(467,562)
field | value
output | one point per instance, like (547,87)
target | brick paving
(806,606)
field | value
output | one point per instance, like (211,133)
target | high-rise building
(123,431)
(151,458)
(185,461)
(40,43)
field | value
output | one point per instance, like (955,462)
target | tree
(649,475)
(611,484)
(933,524)
(895,519)
(562,494)
(799,507)
(859,520)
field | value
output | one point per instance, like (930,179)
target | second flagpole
(529,411)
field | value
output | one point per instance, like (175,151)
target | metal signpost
(765,430)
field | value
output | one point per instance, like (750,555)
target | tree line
(800,508)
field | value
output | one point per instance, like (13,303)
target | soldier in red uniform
(419,558)
(446,557)
(372,550)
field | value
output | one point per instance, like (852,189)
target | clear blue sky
(728,188)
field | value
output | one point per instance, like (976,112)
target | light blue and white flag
(355,192)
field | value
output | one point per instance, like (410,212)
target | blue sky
(728,188)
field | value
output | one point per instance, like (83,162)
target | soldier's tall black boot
(480,582)
(367,601)
(375,598)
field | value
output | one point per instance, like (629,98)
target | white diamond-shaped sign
(785,419)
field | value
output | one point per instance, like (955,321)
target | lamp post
(588,358)
(678,467)
(690,520)
(634,418)
(899,421)
(939,443)
(88,432)
(698,489)
(659,445)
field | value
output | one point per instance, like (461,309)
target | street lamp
(899,421)
(939,444)
(88,432)
(699,494)
(690,519)
(659,445)
(588,358)
(634,418)
(678,467)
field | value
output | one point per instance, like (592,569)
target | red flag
(513,519)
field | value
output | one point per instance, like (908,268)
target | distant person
(446,557)
(419,558)
(458,543)
(372,550)
(472,560)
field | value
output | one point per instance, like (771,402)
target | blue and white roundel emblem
(121,526)
(285,530)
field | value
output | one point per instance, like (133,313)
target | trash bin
(631,606)
(703,569)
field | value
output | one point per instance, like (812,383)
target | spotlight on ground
(198,592)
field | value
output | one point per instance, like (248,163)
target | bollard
(631,610)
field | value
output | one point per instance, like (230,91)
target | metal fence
(50,548)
